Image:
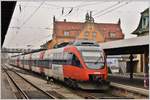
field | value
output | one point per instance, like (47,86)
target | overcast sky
(32,22)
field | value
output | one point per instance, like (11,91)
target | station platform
(137,81)
(131,87)
(6,90)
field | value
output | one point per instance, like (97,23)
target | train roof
(61,45)
(85,43)
(77,43)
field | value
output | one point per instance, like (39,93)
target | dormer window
(145,21)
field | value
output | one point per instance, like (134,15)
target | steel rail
(44,92)
(16,85)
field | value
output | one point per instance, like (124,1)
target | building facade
(143,27)
(139,59)
(64,31)
(142,30)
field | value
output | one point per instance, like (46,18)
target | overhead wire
(53,5)
(71,11)
(35,40)
(81,6)
(107,8)
(77,7)
(18,29)
(113,9)
(32,14)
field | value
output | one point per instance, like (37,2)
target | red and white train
(79,64)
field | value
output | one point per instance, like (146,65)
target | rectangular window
(66,33)
(112,35)
(144,21)
(85,34)
(94,35)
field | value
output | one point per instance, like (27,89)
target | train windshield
(94,59)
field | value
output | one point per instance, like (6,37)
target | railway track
(82,94)
(26,89)
(88,94)
(97,95)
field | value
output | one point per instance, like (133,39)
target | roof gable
(61,26)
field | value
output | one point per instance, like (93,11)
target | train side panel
(48,56)
(77,70)
(55,68)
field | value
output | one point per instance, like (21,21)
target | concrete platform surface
(6,91)
(125,80)
(131,88)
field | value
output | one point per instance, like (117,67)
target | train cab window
(75,61)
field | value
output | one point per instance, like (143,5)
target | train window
(59,61)
(30,62)
(39,63)
(42,63)
(46,63)
(25,62)
(35,63)
(75,61)
(94,59)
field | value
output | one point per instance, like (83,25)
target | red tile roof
(105,28)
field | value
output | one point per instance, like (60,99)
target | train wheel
(66,81)
(42,74)
(48,79)
(71,83)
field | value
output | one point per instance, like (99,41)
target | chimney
(87,17)
(90,15)
(119,22)
(54,19)
(64,20)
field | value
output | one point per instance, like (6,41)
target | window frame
(75,63)
(145,21)
(94,35)
(66,33)
(112,34)
(86,34)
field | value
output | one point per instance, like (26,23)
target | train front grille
(95,77)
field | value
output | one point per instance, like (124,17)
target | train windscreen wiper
(101,56)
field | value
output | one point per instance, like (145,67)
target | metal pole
(131,66)
(146,70)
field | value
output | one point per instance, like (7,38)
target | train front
(94,63)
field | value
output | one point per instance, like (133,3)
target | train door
(41,58)
(17,61)
(23,62)
(30,62)
(50,68)
(48,57)
(57,66)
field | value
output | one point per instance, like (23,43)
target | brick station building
(64,31)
